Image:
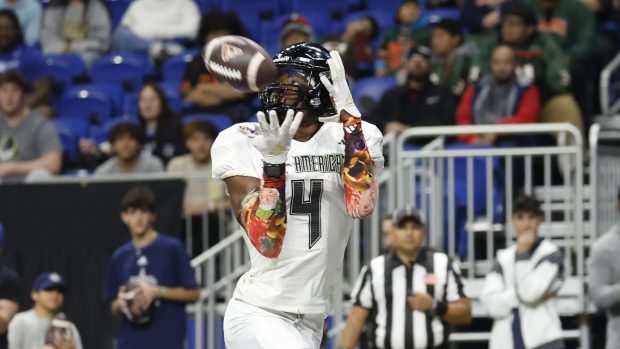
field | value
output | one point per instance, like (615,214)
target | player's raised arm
(261,210)
(358,170)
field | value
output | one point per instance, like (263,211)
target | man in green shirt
(450,64)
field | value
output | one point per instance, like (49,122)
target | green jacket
(452,71)
(571,25)
(547,60)
(397,43)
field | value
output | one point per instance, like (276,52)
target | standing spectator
(127,141)
(29,329)
(161,126)
(604,280)
(153,26)
(498,98)
(29,13)
(387,230)
(204,195)
(199,87)
(296,29)
(419,102)
(483,16)
(518,290)
(14,55)
(155,269)
(76,26)
(410,294)
(9,296)
(29,143)
(540,60)
(451,58)
(397,43)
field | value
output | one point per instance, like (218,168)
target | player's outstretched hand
(274,139)
(339,89)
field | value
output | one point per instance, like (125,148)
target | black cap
(453,27)
(403,215)
(421,50)
(522,11)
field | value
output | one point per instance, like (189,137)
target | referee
(410,295)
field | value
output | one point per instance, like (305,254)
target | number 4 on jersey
(310,207)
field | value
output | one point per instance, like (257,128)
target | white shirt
(162,19)
(301,278)
(27,331)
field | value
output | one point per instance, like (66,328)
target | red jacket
(526,111)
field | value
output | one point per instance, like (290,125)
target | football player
(297,179)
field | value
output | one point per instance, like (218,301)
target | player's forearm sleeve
(360,187)
(263,213)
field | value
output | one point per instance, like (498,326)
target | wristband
(273,170)
(162,292)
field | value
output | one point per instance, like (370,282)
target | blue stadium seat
(71,130)
(438,14)
(173,92)
(221,122)
(95,103)
(64,69)
(368,91)
(173,68)
(117,10)
(123,70)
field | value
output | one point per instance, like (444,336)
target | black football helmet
(299,86)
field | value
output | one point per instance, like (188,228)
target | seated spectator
(157,271)
(408,32)
(43,326)
(356,46)
(29,144)
(162,127)
(202,195)
(419,102)
(498,98)
(199,87)
(571,24)
(540,61)
(76,26)
(519,288)
(482,16)
(29,13)
(153,26)
(14,55)
(296,29)
(127,141)
(451,58)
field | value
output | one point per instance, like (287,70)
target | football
(239,62)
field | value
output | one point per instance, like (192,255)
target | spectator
(200,195)
(604,280)
(162,127)
(9,295)
(296,29)
(540,60)
(29,144)
(400,40)
(482,16)
(451,58)
(76,26)
(127,141)
(387,230)
(199,87)
(203,196)
(571,24)
(498,98)
(153,26)
(14,55)
(518,290)
(29,13)
(419,102)
(356,46)
(31,329)
(156,269)
(434,296)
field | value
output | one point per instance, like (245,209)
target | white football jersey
(301,278)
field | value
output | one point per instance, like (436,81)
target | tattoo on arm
(360,187)
(263,212)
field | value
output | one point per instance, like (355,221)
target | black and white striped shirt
(383,286)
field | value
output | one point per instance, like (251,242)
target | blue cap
(49,280)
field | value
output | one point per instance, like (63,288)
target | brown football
(239,62)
